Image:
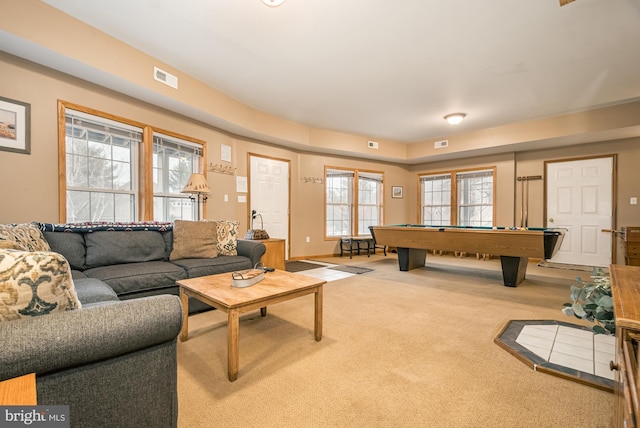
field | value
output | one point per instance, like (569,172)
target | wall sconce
(197,186)
(455,118)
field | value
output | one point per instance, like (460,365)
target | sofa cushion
(91,290)
(134,277)
(106,248)
(227,237)
(34,283)
(70,245)
(27,235)
(221,264)
(194,240)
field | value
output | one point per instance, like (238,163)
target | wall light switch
(226,198)
(633,201)
(308,239)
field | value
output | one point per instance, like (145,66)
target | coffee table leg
(318,314)
(232,344)
(263,311)
(184,298)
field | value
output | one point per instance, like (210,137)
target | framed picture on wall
(15,124)
(396,192)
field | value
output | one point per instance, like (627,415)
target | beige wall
(29,183)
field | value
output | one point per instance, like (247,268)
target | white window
(101,168)
(475,198)
(339,200)
(436,199)
(369,201)
(346,215)
(174,160)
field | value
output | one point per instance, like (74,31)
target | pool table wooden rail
(513,246)
(519,243)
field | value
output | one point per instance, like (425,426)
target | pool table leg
(411,258)
(513,270)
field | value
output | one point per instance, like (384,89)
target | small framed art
(15,124)
(396,192)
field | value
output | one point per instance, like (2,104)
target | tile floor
(570,347)
(322,272)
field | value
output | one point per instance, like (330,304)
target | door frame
(288,161)
(614,194)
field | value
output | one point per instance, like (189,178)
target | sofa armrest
(58,341)
(251,249)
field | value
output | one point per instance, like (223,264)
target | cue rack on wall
(524,194)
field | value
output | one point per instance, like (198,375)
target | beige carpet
(400,349)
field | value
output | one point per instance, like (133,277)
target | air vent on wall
(165,77)
(441,144)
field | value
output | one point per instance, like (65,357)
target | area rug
(299,266)
(561,349)
(351,269)
(548,264)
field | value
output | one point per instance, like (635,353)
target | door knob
(551,220)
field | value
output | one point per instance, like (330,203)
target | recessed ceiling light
(273,3)
(455,118)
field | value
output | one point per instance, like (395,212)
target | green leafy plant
(591,300)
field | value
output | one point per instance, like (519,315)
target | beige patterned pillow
(26,235)
(194,240)
(34,283)
(227,237)
(10,245)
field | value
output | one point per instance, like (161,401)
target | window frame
(455,203)
(354,202)
(144,170)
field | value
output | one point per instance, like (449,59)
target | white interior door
(269,196)
(580,199)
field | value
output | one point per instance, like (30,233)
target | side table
(275,255)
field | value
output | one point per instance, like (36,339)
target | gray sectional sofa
(134,261)
(114,360)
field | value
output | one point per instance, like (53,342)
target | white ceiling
(391,69)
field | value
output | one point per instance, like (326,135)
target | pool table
(514,246)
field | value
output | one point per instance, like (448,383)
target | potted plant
(591,300)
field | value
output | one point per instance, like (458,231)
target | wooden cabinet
(631,238)
(275,255)
(625,289)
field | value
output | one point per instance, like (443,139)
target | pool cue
(524,193)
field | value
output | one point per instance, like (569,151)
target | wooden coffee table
(276,287)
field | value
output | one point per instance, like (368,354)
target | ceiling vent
(165,77)
(441,144)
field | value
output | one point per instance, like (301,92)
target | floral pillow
(34,283)
(27,235)
(227,237)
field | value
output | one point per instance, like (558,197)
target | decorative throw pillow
(194,240)
(34,283)
(10,245)
(26,235)
(227,233)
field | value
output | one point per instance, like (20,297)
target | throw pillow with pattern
(227,237)
(26,235)
(34,283)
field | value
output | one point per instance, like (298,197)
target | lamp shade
(197,183)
